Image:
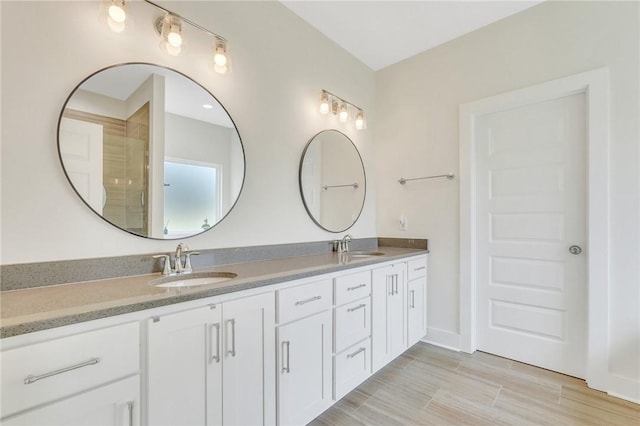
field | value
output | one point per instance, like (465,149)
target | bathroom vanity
(278,344)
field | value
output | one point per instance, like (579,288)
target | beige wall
(280,64)
(417,135)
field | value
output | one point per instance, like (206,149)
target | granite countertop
(28,310)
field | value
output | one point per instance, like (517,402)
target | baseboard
(624,388)
(443,338)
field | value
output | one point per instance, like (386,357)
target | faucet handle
(166,270)
(187,260)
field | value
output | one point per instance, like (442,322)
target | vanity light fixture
(116,14)
(360,120)
(343,114)
(341,108)
(324,103)
(221,62)
(170,30)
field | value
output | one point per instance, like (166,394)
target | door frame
(595,85)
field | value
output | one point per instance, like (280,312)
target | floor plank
(428,385)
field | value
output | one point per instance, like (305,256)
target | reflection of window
(191,196)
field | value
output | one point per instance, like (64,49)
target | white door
(416,310)
(248,360)
(304,369)
(388,320)
(530,195)
(81,151)
(176,367)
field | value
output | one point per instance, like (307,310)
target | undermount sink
(365,253)
(194,280)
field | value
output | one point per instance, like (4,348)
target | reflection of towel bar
(353,185)
(448,176)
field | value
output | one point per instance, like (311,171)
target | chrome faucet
(178,266)
(343,244)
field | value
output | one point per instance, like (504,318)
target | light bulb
(343,114)
(360,120)
(174,38)
(324,103)
(170,30)
(117,13)
(221,61)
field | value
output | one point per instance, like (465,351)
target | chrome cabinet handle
(312,299)
(130,408)
(286,369)
(215,357)
(232,351)
(362,305)
(356,287)
(413,299)
(33,378)
(356,352)
(420,268)
(390,284)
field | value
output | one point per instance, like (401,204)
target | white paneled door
(531,234)
(82,156)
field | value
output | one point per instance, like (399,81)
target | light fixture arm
(186,20)
(340,99)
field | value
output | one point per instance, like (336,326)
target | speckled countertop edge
(61,305)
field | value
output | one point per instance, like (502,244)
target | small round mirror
(332,181)
(151,151)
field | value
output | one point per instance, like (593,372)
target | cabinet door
(416,310)
(176,367)
(248,358)
(304,369)
(388,322)
(117,404)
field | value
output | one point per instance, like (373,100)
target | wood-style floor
(433,386)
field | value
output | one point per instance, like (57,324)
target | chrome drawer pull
(356,287)
(302,302)
(232,351)
(356,352)
(286,369)
(362,305)
(420,268)
(215,357)
(31,378)
(130,407)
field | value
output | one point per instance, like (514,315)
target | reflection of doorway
(191,196)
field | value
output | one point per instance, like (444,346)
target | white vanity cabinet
(213,365)
(83,378)
(416,299)
(304,336)
(389,314)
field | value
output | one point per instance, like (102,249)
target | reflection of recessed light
(207,106)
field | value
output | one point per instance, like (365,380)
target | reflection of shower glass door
(191,197)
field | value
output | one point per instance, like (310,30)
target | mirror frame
(244,157)
(364,176)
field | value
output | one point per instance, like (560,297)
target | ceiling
(382,33)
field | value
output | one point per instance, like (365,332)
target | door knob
(575,250)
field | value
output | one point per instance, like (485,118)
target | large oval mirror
(332,181)
(151,151)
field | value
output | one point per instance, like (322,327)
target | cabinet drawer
(352,323)
(352,287)
(303,300)
(351,368)
(42,372)
(417,268)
